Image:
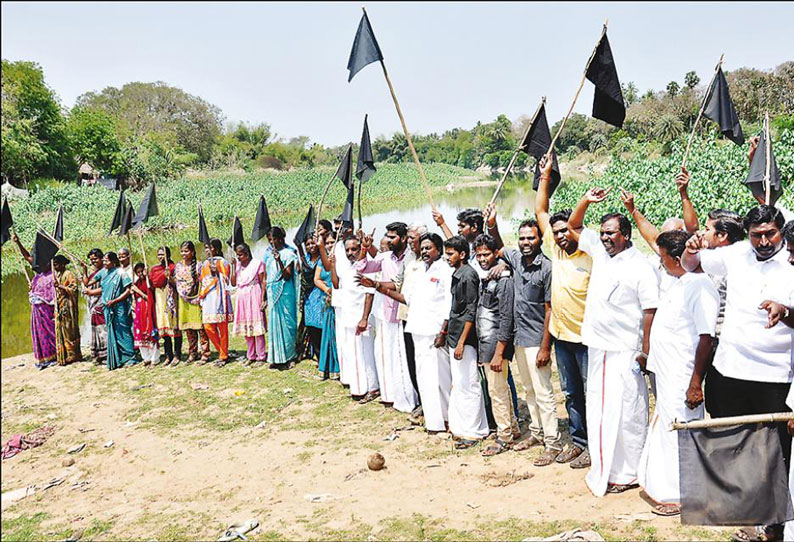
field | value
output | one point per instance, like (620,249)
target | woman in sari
(99,334)
(249,309)
(216,302)
(67,321)
(165,307)
(144,329)
(186,280)
(311,307)
(283,288)
(329,361)
(42,311)
(115,288)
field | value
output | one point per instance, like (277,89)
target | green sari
(283,298)
(121,347)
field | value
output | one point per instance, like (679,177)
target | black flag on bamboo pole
(262,223)
(536,144)
(756,177)
(203,233)
(237,238)
(7,222)
(365,165)
(345,170)
(365,49)
(608,102)
(57,231)
(118,214)
(127,221)
(304,230)
(148,207)
(719,108)
(44,250)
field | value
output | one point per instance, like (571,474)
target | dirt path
(185,463)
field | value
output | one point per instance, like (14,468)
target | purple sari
(42,316)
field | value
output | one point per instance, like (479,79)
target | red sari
(144,329)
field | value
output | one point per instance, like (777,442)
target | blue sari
(329,360)
(282,307)
(120,344)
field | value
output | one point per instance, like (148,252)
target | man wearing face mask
(621,302)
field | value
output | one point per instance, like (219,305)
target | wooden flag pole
(407,135)
(576,96)
(733,420)
(57,243)
(700,112)
(360,218)
(767,172)
(55,286)
(322,200)
(25,269)
(516,151)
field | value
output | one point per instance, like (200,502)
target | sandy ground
(171,474)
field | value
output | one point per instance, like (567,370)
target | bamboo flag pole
(700,112)
(733,420)
(767,175)
(322,200)
(55,286)
(407,134)
(57,243)
(360,218)
(25,269)
(576,96)
(516,151)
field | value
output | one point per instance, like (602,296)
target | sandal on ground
(220,363)
(614,489)
(667,509)
(528,443)
(496,448)
(581,462)
(569,454)
(175,362)
(201,362)
(465,443)
(546,458)
(754,534)
(370,396)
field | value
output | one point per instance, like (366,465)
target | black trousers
(409,354)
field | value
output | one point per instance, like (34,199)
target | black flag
(304,231)
(365,48)
(262,223)
(347,212)
(7,222)
(148,207)
(43,252)
(365,166)
(345,170)
(118,215)
(719,108)
(536,144)
(755,177)
(127,220)
(237,237)
(203,234)
(608,102)
(57,232)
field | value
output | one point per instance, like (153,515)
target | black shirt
(465,291)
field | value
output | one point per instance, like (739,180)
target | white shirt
(621,288)
(687,310)
(429,299)
(747,350)
(666,280)
(343,266)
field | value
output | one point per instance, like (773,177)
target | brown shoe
(547,457)
(581,462)
(528,443)
(370,396)
(569,454)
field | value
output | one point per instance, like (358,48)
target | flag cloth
(536,144)
(43,252)
(237,237)
(365,48)
(347,212)
(345,170)
(57,232)
(262,223)
(719,108)
(127,221)
(148,207)
(6,222)
(365,166)
(118,215)
(733,476)
(608,102)
(755,177)
(203,234)
(304,230)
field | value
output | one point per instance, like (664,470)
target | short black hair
(244,247)
(216,245)
(729,223)
(351,237)
(95,252)
(60,259)
(137,266)
(400,228)
(560,216)
(433,238)
(623,223)
(763,214)
(788,232)
(114,258)
(472,217)
(278,232)
(167,252)
(458,243)
(487,241)
(529,223)
(326,224)
(673,242)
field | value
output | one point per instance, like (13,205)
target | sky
(452,64)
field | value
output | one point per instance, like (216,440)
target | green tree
(673,88)
(691,79)
(92,135)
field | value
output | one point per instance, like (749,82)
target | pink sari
(42,316)
(249,320)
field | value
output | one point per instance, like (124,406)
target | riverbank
(284,449)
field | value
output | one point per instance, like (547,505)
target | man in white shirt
(682,336)
(621,301)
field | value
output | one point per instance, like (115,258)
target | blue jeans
(572,366)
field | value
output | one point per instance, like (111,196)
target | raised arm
(23,250)
(438,218)
(576,221)
(648,231)
(542,196)
(490,221)
(690,215)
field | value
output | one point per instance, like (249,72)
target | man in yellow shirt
(570,277)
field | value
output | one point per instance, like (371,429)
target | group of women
(133,308)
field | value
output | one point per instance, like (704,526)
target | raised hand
(545,165)
(490,215)
(597,195)
(682,180)
(438,217)
(696,243)
(754,141)
(628,200)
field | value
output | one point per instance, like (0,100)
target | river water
(514,200)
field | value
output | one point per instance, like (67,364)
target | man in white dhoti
(682,336)
(621,302)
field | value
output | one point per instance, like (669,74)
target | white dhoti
(359,361)
(434,380)
(617,418)
(340,347)
(392,366)
(467,418)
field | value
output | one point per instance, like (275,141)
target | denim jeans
(572,366)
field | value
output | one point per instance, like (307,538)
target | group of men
(437,322)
